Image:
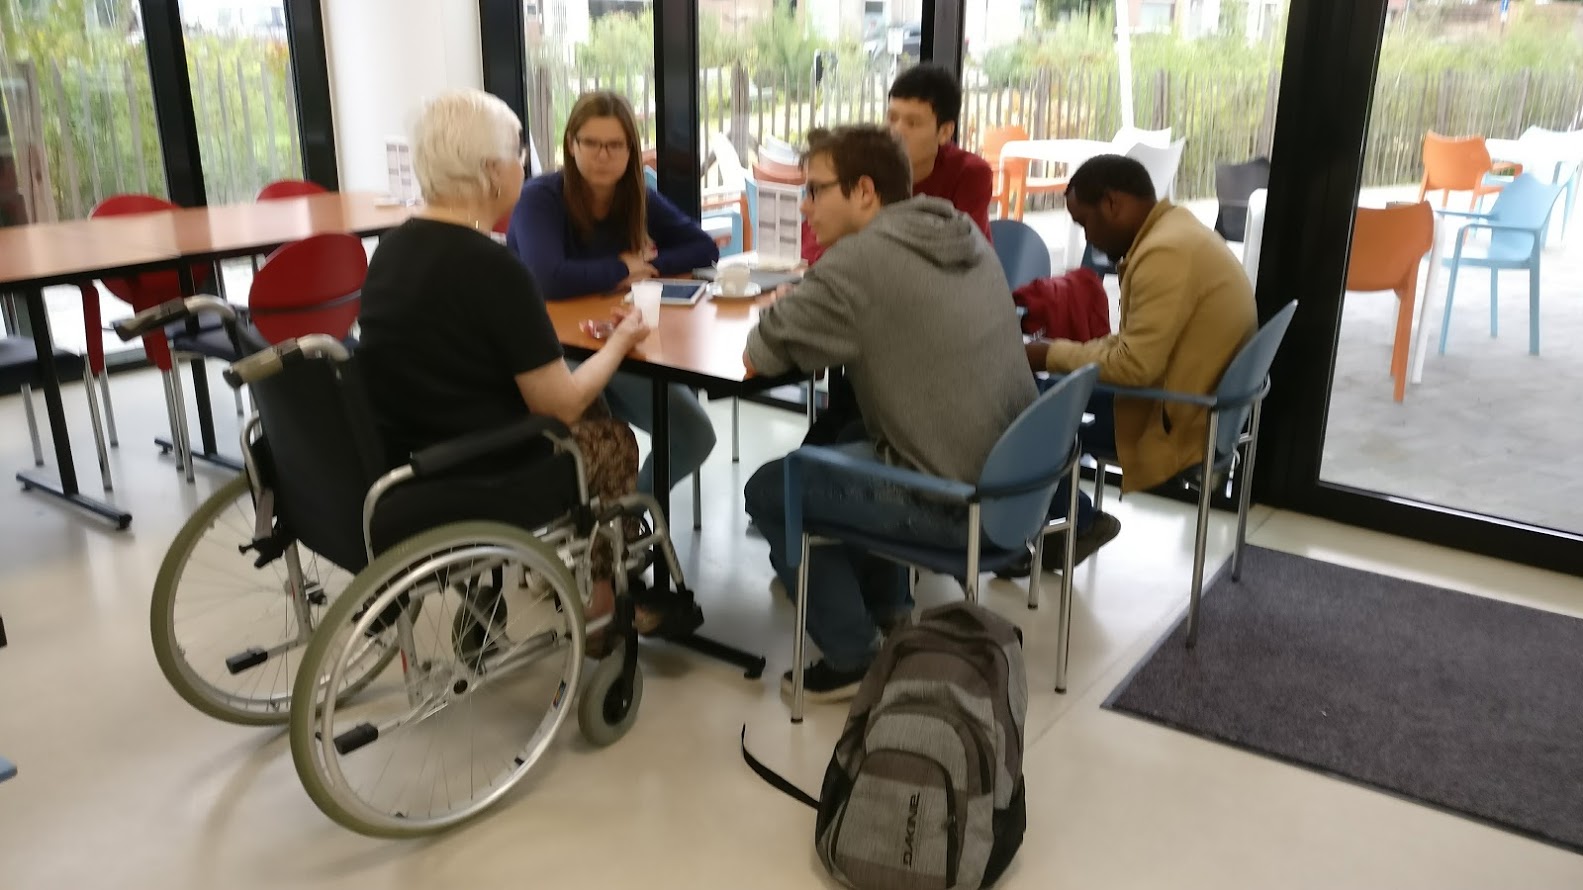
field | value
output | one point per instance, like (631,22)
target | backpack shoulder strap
(775,779)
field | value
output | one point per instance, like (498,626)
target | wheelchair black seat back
(320,453)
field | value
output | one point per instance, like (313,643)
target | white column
(386,58)
(1124,58)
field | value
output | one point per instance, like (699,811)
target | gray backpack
(925,787)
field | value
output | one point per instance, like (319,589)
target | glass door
(1458,352)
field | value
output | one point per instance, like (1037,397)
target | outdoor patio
(1488,428)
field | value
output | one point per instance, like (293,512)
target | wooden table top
(699,345)
(57,253)
(45,253)
(239,229)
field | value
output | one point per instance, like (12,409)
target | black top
(449,318)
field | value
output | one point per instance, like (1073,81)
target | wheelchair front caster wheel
(603,714)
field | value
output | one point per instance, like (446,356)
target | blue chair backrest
(1247,373)
(1037,445)
(1022,252)
(1526,203)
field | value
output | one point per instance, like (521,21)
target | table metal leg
(752,665)
(660,454)
(66,488)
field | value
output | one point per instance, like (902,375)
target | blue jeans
(850,593)
(631,399)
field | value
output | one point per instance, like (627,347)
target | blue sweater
(565,265)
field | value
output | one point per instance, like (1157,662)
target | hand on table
(631,328)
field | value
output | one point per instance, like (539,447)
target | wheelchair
(424,645)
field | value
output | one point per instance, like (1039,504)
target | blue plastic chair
(1007,509)
(7,769)
(1233,422)
(1516,224)
(1022,252)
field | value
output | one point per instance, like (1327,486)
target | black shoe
(1100,532)
(821,683)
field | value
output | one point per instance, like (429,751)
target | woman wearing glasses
(596,227)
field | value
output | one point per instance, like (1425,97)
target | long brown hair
(631,199)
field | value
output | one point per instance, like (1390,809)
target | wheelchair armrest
(170,311)
(921,482)
(466,449)
(1213,403)
(1158,395)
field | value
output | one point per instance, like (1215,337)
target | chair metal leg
(736,434)
(241,410)
(698,495)
(1201,538)
(1099,484)
(179,407)
(1445,322)
(32,425)
(1063,625)
(1533,306)
(1495,303)
(91,387)
(970,585)
(800,632)
(1245,483)
(176,452)
(109,409)
(813,402)
(1036,569)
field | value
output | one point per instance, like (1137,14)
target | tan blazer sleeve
(1156,311)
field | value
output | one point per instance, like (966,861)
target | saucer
(753,290)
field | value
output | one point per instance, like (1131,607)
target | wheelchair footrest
(356,737)
(247,660)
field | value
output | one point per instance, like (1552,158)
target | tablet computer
(681,291)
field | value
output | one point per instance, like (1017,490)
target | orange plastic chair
(1459,165)
(1019,185)
(994,141)
(1387,246)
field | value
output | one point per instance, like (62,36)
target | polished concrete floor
(123,785)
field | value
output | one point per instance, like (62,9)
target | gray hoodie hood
(933,229)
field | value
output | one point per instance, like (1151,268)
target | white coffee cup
(646,297)
(734,279)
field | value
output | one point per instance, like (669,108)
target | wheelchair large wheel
(228,635)
(490,625)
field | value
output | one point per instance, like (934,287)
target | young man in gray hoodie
(910,297)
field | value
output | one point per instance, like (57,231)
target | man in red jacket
(925,101)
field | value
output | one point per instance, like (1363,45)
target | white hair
(456,135)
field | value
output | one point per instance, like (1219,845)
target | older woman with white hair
(455,337)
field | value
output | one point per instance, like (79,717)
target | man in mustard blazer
(1186,309)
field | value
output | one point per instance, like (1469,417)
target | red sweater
(961,177)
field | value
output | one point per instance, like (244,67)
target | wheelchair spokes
(491,641)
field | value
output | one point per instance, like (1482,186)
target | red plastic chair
(312,286)
(290,188)
(142,291)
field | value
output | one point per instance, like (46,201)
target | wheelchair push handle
(273,360)
(172,311)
